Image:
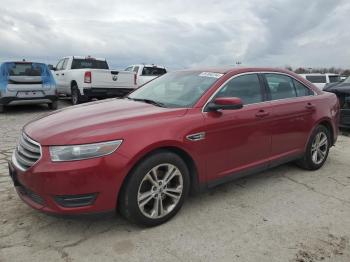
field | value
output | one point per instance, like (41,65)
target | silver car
(26,83)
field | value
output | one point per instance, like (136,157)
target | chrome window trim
(257,72)
(14,160)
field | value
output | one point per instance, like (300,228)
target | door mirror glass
(225,103)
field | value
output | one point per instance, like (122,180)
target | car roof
(225,70)
(147,65)
(319,74)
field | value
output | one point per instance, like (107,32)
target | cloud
(179,33)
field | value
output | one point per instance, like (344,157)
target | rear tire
(317,149)
(75,96)
(53,105)
(155,189)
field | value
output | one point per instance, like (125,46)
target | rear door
(58,78)
(239,140)
(293,108)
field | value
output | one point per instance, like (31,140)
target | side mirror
(225,103)
(51,67)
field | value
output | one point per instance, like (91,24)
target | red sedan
(182,132)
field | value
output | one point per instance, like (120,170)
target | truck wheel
(75,94)
(155,189)
(2,108)
(53,105)
(317,149)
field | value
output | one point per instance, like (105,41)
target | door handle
(310,106)
(57,74)
(262,113)
(62,74)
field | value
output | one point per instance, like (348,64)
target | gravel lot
(285,214)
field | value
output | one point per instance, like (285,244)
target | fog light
(76,200)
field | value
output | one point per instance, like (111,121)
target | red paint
(236,140)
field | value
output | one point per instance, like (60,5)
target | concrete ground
(285,214)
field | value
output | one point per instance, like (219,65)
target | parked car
(84,78)
(320,80)
(342,90)
(146,73)
(182,132)
(26,83)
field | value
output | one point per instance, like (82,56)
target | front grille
(27,153)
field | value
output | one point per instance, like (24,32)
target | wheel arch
(185,156)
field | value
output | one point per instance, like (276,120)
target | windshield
(89,63)
(334,78)
(177,89)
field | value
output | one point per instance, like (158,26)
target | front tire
(317,149)
(155,189)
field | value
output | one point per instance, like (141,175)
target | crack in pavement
(310,188)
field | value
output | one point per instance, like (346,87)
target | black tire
(308,162)
(53,105)
(128,200)
(75,96)
(2,109)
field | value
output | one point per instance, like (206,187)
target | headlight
(79,152)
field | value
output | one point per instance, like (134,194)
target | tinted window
(301,89)
(24,69)
(280,86)
(136,69)
(316,79)
(153,71)
(246,87)
(334,78)
(89,63)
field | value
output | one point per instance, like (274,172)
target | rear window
(316,79)
(153,71)
(334,79)
(89,63)
(24,69)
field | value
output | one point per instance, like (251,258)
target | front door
(238,140)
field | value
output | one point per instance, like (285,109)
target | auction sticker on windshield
(211,74)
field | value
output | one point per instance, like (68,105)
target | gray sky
(179,33)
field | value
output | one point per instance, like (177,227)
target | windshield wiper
(148,101)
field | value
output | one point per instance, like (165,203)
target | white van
(320,80)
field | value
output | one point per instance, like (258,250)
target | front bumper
(344,118)
(90,186)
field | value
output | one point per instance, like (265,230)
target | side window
(136,69)
(64,65)
(280,86)
(128,69)
(246,87)
(59,65)
(301,89)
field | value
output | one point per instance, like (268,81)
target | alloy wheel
(160,191)
(319,148)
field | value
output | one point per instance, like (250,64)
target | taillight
(87,77)
(135,79)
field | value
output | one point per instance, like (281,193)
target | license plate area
(30,94)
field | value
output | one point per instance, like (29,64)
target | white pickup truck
(145,73)
(84,78)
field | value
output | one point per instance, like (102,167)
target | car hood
(96,122)
(339,88)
